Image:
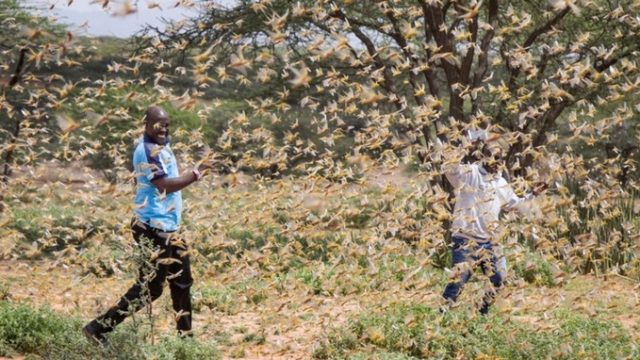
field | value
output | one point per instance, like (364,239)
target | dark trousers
(464,250)
(167,260)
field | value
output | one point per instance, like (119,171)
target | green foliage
(44,333)
(174,348)
(26,330)
(601,233)
(311,279)
(417,331)
(535,270)
(230,299)
(44,227)
(123,107)
(65,226)
(18,22)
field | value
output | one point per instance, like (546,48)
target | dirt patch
(292,324)
(397,177)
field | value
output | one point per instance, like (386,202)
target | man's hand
(539,188)
(211,163)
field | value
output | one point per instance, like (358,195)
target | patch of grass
(45,228)
(417,331)
(175,348)
(230,299)
(43,333)
(310,278)
(270,241)
(219,298)
(535,270)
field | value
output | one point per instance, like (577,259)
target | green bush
(54,227)
(174,348)
(535,270)
(417,331)
(601,233)
(43,333)
(29,331)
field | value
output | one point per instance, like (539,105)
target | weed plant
(420,332)
(42,333)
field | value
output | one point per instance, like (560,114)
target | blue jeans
(465,250)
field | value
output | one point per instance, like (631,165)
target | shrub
(535,270)
(54,227)
(24,330)
(418,331)
(44,333)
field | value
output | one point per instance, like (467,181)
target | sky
(99,21)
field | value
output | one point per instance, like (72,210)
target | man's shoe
(484,310)
(93,334)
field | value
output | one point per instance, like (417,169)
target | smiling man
(158,210)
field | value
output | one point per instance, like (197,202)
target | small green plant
(601,234)
(311,279)
(535,270)
(227,299)
(219,298)
(175,348)
(44,333)
(417,331)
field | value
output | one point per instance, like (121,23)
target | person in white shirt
(481,193)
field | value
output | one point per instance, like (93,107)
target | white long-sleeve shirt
(479,198)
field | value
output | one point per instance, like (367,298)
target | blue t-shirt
(152,161)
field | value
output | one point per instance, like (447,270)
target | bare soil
(291,325)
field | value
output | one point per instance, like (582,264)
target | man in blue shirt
(158,208)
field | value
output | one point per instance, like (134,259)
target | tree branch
(404,46)
(483,57)
(465,70)
(545,27)
(388,83)
(18,71)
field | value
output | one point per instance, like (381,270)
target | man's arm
(512,201)
(451,168)
(171,185)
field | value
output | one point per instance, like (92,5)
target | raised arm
(171,185)
(456,172)
(511,200)
(155,170)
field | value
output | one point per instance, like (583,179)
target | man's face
(158,128)
(492,158)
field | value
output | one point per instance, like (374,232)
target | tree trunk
(9,155)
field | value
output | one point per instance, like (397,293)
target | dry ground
(290,326)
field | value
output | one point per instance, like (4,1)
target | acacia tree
(410,67)
(29,44)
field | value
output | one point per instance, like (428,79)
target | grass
(534,269)
(43,333)
(231,299)
(264,257)
(601,234)
(416,331)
